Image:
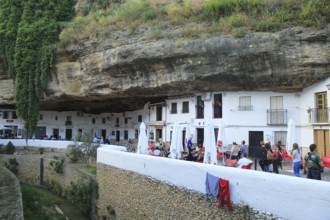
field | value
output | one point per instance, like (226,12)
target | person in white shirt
(243,161)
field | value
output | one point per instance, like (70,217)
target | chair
(231,163)
(248,167)
(326,161)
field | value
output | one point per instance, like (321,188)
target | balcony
(68,123)
(319,115)
(277,117)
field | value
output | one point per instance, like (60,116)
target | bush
(10,148)
(58,164)
(84,151)
(12,165)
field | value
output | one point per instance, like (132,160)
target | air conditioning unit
(206,96)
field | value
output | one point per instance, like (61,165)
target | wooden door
(321,138)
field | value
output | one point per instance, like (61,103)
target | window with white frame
(185,107)
(280,136)
(245,103)
(174,108)
(5,115)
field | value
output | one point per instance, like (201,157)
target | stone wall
(127,195)
(11,206)
(29,168)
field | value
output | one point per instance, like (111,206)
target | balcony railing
(319,115)
(68,123)
(277,117)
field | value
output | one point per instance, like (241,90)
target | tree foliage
(29,32)
(83,149)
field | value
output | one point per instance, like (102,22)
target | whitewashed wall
(285,196)
(238,123)
(307,99)
(53,144)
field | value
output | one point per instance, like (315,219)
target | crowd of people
(311,164)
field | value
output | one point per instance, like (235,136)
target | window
(174,108)
(185,107)
(68,118)
(200,107)
(217,106)
(280,136)
(245,103)
(14,115)
(321,107)
(41,117)
(136,134)
(103,120)
(56,118)
(117,120)
(5,115)
(126,120)
(93,120)
(159,113)
(125,135)
(277,114)
(140,118)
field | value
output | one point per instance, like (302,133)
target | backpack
(270,155)
(280,157)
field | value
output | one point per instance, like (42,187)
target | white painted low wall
(285,196)
(52,144)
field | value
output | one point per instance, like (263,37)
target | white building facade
(250,116)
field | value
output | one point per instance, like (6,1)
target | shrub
(83,151)
(12,165)
(57,164)
(10,148)
(41,150)
(81,194)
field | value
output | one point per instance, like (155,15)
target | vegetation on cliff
(196,17)
(29,33)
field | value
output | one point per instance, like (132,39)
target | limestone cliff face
(122,73)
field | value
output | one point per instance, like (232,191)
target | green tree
(29,32)
(10,16)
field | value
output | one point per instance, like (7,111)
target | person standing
(234,152)
(189,144)
(314,164)
(296,159)
(243,149)
(280,154)
(276,159)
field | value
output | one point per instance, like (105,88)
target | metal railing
(319,115)
(277,117)
(68,123)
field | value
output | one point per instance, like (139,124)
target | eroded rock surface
(123,73)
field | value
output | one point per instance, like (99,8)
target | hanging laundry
(224,194)
(211,186)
